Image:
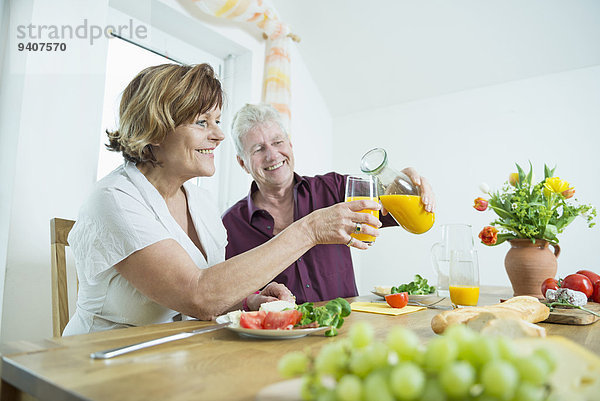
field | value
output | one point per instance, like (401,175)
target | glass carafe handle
(437,251)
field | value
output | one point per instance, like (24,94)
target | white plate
(271,334)
(420,298)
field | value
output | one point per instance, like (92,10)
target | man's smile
(275,166)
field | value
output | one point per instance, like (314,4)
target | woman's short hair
(248,117)
(158,100)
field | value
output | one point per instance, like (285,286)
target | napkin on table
(383,309)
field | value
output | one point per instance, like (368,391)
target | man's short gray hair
(250,116)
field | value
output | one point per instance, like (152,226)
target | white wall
(9,116)
(57,104)
(51,108)
(459,140)
(312,125)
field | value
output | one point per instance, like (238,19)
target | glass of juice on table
(464,278)
(455,237)
(360,187)
(400,197)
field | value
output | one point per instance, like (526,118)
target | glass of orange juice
(464,278)
(358,187)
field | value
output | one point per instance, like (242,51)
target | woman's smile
(206,151)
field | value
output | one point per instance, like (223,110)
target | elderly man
(278,196)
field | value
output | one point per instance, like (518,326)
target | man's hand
(427,195)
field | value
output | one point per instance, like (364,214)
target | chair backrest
(59,230)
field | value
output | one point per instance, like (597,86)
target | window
(124,61)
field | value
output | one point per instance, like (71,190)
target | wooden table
(212,366)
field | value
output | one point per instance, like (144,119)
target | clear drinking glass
(358,187)
(464,278)
(455,238)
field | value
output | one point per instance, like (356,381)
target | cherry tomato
(549,284)
(579,282)
(591,275)
(398,300)
(596,294)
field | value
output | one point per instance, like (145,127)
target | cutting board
(574,316)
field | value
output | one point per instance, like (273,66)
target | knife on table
(111,353)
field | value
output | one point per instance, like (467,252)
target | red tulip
(480,204)
(489,235)
(568,193)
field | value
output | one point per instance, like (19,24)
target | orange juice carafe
(397,193)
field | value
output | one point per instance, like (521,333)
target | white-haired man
(278,196)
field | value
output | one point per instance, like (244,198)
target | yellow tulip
(513,178)
(555,185)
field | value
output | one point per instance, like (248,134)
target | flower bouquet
(532,210)
(530,216)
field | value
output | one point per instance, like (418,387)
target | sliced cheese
(277,306)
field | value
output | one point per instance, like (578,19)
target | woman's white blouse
(125,213)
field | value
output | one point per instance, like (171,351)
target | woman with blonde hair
(149,245)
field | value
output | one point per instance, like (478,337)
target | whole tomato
(549,284)
(398,300)
(579,282)
(590,274)
(596,294)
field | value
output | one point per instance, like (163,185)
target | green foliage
(331,314)
(528,210)
(417,287)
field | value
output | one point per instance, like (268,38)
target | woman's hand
(334,224)
(272,292)
(427,195)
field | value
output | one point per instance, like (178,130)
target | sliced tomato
(579,282)
(594,278)
(253,320)
(284,320)
(398,300)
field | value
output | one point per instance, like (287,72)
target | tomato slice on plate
(253,320)
(398,300)
(284,320)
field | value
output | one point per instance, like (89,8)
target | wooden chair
(59,230)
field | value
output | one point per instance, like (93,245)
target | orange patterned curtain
(276,87)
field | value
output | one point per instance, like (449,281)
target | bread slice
(524,307)
(487,323)
(513,328)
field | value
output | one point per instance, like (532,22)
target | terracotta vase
(528,264)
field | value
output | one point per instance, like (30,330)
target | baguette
(527,308)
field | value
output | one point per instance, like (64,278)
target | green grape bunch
(459,365)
